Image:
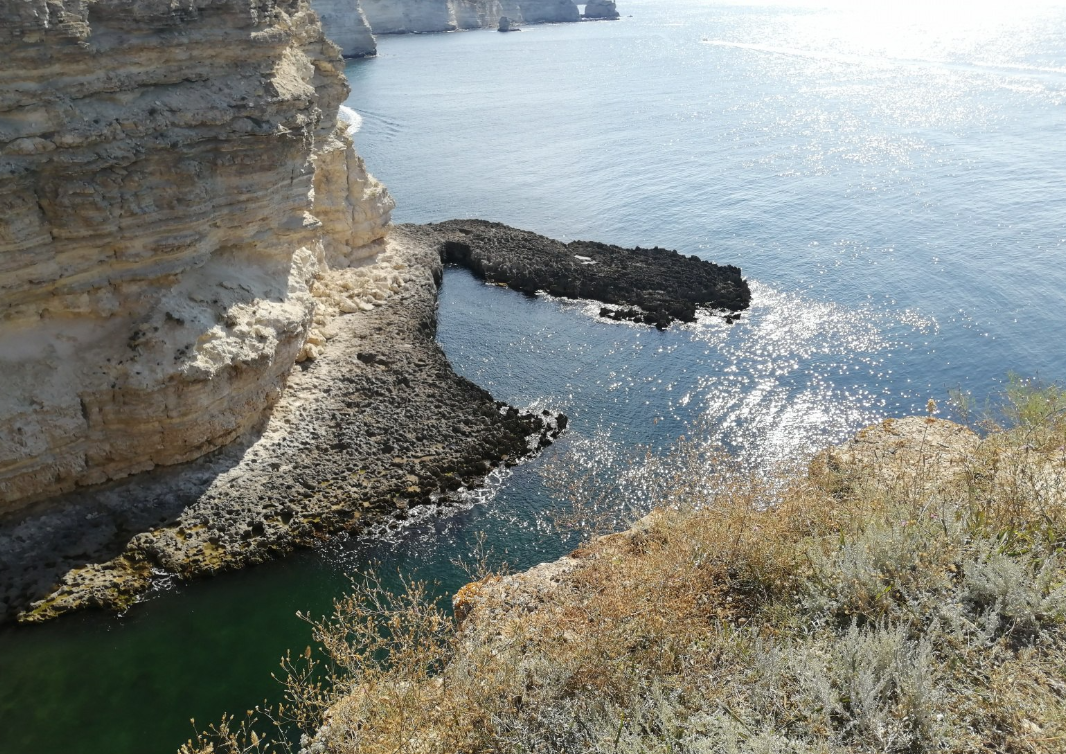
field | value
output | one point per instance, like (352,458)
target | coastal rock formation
(172,180)
(421,16)
(345,24)
(377,427)
(476,14)
(651,286)
(374,426)
(601,9)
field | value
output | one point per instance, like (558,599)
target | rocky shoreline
(374,424)
(377,424)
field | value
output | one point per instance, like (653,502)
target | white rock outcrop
(172,180)
(407,16)
(345,24)
(601,9)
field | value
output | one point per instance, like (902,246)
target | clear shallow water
(893,183)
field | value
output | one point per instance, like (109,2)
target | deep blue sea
(890,176)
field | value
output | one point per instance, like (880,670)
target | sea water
(891,178)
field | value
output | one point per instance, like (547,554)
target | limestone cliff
(345,24)
(172,180)
(420,16)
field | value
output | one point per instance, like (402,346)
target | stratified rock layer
(172,180)
(345,24)
(664,285)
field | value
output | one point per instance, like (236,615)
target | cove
(900,222)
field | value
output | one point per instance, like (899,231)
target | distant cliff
(352,23)
(418,16)
(172,179)
(345,23)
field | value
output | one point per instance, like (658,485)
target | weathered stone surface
(665,285)
(171,177)
(375,426)
(345,24)
(601,9)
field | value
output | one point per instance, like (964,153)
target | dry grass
(903,601)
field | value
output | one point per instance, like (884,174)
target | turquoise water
(892,182)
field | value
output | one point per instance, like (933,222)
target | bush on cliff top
(876,606)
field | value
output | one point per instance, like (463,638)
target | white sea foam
(352,118)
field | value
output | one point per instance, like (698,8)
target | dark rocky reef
(650,286)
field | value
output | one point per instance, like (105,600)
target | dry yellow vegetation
(906,594)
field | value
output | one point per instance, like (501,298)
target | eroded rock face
(345,24)
(172,180)
(601,9)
